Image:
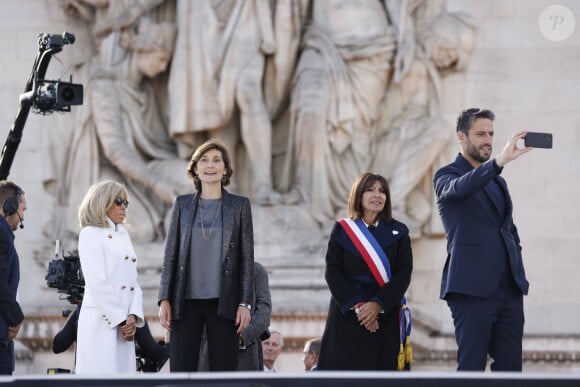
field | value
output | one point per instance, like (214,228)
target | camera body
(57,96)
(47,95)
(66,276)
(54,41)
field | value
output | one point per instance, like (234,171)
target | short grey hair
(273,330)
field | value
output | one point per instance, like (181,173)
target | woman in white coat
(113,302)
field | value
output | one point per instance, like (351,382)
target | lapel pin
(395,232)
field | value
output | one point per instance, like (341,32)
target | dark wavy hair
(360,185)
(200,151)
(467,117)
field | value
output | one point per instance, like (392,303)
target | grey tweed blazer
(237,279)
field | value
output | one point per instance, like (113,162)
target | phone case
(538,140)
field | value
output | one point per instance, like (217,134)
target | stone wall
(529,81)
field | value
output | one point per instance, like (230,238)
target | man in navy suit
(12,207)
(483,278)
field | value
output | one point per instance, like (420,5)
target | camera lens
(68,94)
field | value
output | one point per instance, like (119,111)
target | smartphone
(538,140)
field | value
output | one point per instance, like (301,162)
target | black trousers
(222,338)
(6,357)
(493,326)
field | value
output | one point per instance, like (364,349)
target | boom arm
(48,45)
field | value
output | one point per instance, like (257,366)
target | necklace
(207,237)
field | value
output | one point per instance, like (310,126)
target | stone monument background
(527,80)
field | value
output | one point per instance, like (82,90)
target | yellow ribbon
(401,359)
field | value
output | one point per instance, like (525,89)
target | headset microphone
(21,224)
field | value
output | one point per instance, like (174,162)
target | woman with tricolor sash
(368,270)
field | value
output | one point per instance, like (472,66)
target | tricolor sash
(378,263)
(369,249)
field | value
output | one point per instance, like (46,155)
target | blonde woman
(113,302)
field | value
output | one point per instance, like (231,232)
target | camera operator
(11,316)
(66,275)
(154,355)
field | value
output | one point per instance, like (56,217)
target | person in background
(113,300)
(368,270)
(207,279)
(311,354)
(11,213)
(483,278)
(271,349)
(250,354)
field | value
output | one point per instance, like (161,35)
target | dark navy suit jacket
(10,312)
(478,239)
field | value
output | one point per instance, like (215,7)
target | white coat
(112,293)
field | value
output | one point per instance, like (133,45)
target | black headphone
(10,206)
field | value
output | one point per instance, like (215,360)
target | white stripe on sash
(370,254)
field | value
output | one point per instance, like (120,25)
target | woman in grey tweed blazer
(207,275)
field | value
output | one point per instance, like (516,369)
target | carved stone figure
(122,135)
(348,115)
(413,134)
(216,80)
(364,96)
(340,80)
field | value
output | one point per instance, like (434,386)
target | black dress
(346,345)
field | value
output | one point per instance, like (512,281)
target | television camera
(66,276)
(57,96)
(42,95)
(47,96)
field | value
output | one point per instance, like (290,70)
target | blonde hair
(99,198)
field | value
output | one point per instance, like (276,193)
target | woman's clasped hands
(368,315)
(129,328)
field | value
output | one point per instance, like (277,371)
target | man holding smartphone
(483,278)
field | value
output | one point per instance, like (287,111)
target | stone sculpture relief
(340,80)
(366,97)
(327,88)
(412,133)
(218,75)
(120,133)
